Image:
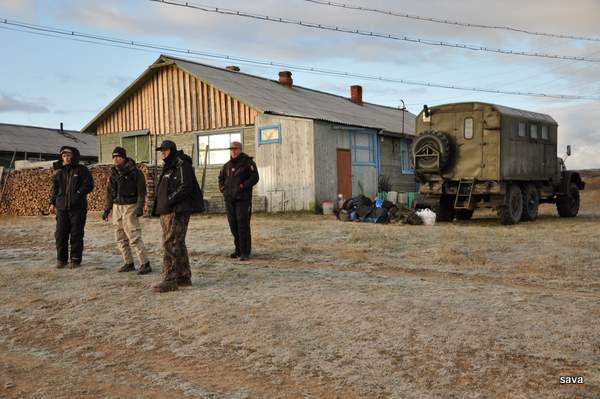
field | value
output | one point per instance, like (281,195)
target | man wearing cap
(178,195)
(71,183)
(125,197)
(236,180)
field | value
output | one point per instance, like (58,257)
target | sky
(46,80)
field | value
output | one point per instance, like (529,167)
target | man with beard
(177,197)
(71,183)
(125,197)
(236,180)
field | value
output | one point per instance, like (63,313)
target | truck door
(468,130)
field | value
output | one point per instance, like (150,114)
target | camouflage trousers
(176,263)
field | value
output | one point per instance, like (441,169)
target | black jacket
(237,178)
(70,184)
(178,189)
(126,185)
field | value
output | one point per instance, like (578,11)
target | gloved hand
(105,215)
(138,212)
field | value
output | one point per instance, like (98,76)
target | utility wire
(450,22)
(359,32)
(135,45)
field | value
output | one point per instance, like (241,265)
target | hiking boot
(128,267)
(234,255)
(244,258)
(184,281)
(74,264)
(145,269)
(61,264)
(165,286)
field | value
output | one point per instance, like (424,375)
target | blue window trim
(405,145)
(273,126)
(373,147)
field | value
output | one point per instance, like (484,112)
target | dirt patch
(324,310)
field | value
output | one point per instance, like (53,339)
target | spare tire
(440,143)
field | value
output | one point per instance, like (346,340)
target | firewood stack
(27,191)
(151,173)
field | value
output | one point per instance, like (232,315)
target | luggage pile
(363,209)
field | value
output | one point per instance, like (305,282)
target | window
(137,146)
(522,129)
(270,134)
(363,147)
(218,147)
(468,128)
(544,132)
(533,130)
(406,157)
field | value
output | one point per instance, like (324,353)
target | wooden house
(308,145)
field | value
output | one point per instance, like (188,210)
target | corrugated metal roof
(271,97)
(46,141)
(268,96)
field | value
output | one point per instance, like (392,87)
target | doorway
(344,172)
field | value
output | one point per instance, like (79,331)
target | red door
(344,172)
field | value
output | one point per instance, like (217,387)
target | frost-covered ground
(324,310)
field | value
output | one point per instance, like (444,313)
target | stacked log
(27,192)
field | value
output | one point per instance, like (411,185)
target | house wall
(173,101)
(189,144)
(329,137)
(391,154)
(287,173)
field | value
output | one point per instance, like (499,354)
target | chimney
(285,78)
(233,68)
(356,94)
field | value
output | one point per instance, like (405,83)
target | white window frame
(200,150)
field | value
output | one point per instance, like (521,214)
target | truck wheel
(441,143)
(445,210)
(531,202)
(510,213)
(568,205)
(463,214)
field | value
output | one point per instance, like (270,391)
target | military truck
(477,155)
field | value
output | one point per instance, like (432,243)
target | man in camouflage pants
(177,197)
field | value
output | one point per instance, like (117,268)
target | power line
(135,45)
(389,36)
(449,22)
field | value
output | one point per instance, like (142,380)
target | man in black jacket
(71,183)
(177,197)
(125,197)
(236,180)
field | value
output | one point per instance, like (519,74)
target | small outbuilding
(32,143)
(308,145)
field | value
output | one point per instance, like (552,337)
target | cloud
(579,127)
(18,7)
(31,106)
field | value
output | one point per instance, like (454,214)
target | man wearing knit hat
(125,197)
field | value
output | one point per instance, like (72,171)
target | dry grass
(324,310)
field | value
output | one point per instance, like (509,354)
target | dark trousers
(70,226)
(176,264)
(238,216)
